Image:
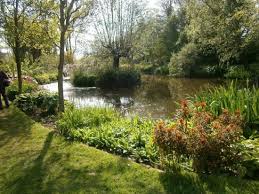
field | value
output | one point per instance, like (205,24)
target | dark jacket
(3,76)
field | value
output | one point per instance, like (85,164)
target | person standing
(4,82)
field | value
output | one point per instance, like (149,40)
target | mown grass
(35,160)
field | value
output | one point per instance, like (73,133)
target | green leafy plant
(232,98)
(46,78)
(238,72)
(106,129)
(28,87)
(39,103)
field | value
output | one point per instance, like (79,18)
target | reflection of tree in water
(180,88)
(153,89)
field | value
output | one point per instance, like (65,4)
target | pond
(156,97)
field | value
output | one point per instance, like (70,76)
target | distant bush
(181,63)
(82,79)
(105,129)
(46,78)
(232,98)
(108,78)
(39,103)
(210,142)
(162,70)
(146,68)
(207,71)
(118,78)
(28,87)
(238,72)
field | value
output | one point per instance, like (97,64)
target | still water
(156,97)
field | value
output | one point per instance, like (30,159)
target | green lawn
(33,159)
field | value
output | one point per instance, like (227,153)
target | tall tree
(225,27)
(23,23)
(71,13)
(115,26)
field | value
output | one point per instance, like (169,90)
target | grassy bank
(35,160)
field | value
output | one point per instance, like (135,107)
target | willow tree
(116,22)
(71,14)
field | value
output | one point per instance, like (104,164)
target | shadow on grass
(34,174)
(13,124)
(183,182)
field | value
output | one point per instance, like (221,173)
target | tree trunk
(60,72)
(116,62)
(18,66)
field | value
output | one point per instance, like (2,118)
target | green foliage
(245,100)
(146,68)
(118,78)
(163,70)
(39,103)
(182,63)
(251,157)
(210,142)
(46,78)
(105,129)
(107,78)
(32,154)
(228,28)
(83,79)
(238,72)
(28,87)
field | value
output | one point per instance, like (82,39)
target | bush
(163,70)
(81,79)
(238,72)
(46,78)
(146,69)
(39,103)
(28,87)
(207,71)
(109,78)
(251,157)
(182,63)
(211,142)
(246,100)
(105,129)
(118,78)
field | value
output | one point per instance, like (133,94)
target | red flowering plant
(209,141)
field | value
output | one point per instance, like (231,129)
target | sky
(85,38)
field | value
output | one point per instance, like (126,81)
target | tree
(71,13)
(24,28)
(116,22)
(224,27)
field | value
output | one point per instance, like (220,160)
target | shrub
(163,70)
(246,100)
(39,103)
(46,78)
(146,69)
(81,79)
(108,78)
(118,78)
(182,63)
(251,157)
(238,72)
(105,129)
(211,142)
(28,87)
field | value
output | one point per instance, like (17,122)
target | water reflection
(156,97)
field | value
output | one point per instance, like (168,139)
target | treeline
(201,38)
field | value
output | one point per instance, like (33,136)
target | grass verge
(35,160)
